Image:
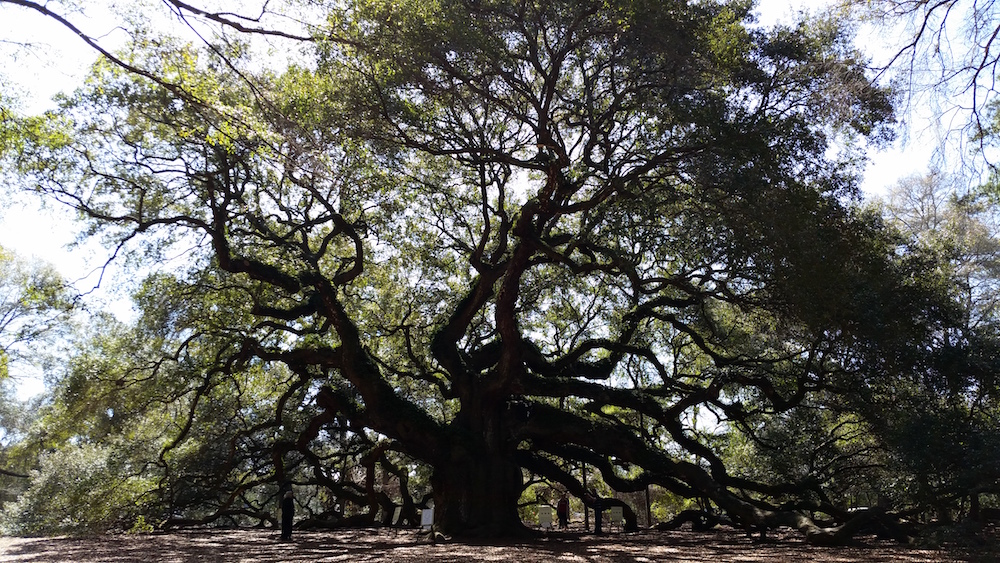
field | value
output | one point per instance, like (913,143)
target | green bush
(81,489)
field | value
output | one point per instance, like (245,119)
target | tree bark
(477,497)
(478,484)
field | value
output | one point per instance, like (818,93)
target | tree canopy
(465,247)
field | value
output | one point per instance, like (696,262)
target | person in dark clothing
(562,511)
(287,512)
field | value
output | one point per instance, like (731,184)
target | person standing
(287,512)
(562,511)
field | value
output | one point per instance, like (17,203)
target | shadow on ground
(365,545)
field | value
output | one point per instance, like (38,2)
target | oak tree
(502,239)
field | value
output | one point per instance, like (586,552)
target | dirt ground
(355,546)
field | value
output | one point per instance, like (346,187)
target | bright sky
(56,61)
(61,60)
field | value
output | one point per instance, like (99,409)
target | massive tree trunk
(477,495)
(477,485)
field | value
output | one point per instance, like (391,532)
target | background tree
(34,301)
(944,57)
(955,411)
(35,305)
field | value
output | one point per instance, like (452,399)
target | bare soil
(364,545)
